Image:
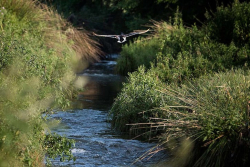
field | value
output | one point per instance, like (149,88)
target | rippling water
(96,143)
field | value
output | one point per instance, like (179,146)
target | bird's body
(122,38)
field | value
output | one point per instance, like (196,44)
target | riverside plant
(3,11)
(212,114)
(180,53)
(39,52)
(136,100)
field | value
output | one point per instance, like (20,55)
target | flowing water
(96,143)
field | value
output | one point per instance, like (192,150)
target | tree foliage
(116,16)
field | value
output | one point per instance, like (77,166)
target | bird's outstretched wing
(110,36)
(135,33)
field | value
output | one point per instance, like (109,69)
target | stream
(96,143)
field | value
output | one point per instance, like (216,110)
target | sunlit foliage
(199,89)
(39,52)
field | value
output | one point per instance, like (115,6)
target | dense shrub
(144,51)
(136,100)
(189,54)
(129,61)
(38,55)
(179,53)
(204,100)
(230,24)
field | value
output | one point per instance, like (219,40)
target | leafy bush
(143,51)
(38,55)
(134,55)
(203,100)
(180,53)
(137,99)
(230,24)
(56,145)
(188,54)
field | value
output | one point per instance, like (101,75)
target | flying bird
(122,38)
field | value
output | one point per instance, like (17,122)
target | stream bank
(96,143)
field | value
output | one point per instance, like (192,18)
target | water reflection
(100,91)
(96,143)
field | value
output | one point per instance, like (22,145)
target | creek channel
(96,143)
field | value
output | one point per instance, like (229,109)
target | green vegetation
(138,96)
(213,111)
(188,82)
(38,55)
(193,88)
(126,15)
(180,53)
(116,16)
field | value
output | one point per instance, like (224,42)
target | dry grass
(56,30)
(161,26)
(85,47)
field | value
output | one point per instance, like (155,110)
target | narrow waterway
(96,143)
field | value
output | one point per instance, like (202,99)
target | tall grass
(136,100)
(204,122)
(39,53)
(196,93)
(213,111)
